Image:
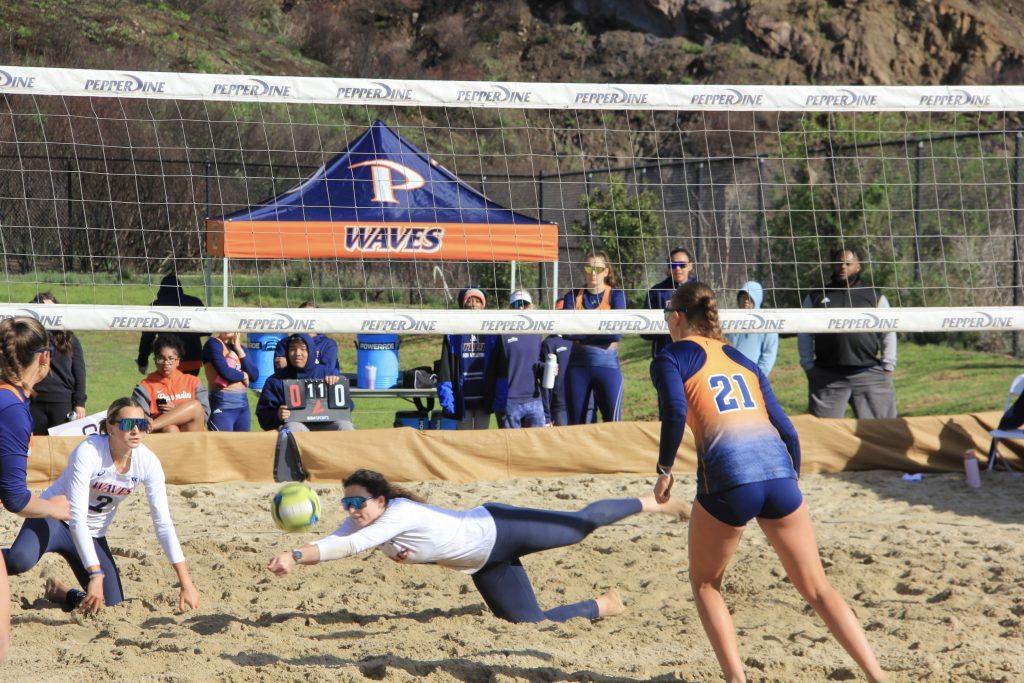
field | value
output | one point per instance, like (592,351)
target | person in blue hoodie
(518,359)
(462,372)
(760,348)
(680,271)
(272,409)
(325,349)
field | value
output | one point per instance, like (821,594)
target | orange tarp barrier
(915,444)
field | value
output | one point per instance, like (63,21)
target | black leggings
(46,415)
(503,582)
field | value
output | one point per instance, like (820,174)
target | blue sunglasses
(353,502)
(126,424)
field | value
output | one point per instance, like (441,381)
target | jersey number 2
(724,387)
(101,502)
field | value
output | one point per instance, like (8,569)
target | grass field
(930,379)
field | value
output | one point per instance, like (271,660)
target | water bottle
(971,468)
(550,370)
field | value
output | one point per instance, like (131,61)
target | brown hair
(61,339)
(377,485)
(20,339)
(114,411)
(696,301)
(609,276)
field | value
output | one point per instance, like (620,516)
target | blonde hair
(697,302)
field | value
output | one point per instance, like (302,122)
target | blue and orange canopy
(382,198)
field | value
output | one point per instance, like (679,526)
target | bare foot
(55,591)
(610,604)
(676,506)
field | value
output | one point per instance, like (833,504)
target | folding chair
(1016,388)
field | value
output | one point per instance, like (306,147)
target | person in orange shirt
(172,400)
(748,461)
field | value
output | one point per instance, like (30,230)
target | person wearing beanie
(462,370)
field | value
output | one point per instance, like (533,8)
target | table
(414,396)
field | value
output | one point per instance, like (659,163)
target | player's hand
(283,414)
(331,380)
(93,601)
(79,412)
(60,509)
(663,488)
(282,564)
(189,596)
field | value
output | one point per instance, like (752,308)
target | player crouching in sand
(102,471)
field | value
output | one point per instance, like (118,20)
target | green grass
(930,379)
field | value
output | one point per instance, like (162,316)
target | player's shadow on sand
(889,441)
(468,671)
(209,624)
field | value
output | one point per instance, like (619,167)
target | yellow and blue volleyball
(295,507)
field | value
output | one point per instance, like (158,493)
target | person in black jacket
(171,294)
(680,271)
(60,396)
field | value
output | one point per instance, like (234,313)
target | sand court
(933,570)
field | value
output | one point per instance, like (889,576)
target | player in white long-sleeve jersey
(102,471)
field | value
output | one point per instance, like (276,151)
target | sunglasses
(680,264)
(353,502)
(594,269)
(519,304)
(126,424)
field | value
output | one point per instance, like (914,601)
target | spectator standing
(324,349)
(855,367)
(462,371)
(229,372)
(594,361)
(760,348)
(172,400)
(60,396)
(519,361)
(171,294)
(680,271)
(555,410)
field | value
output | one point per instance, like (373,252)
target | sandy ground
(933,570)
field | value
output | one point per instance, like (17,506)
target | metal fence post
(918,165)
(1015,197)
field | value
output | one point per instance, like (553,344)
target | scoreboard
(316,401)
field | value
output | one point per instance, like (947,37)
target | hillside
(658,41)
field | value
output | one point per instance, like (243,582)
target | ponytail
(376,485)
(697,302)
(20,340)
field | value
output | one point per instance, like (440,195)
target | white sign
(90,424)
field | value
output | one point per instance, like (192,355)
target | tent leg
(513,276)
(554,284)
(224,284)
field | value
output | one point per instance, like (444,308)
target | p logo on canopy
(382,172)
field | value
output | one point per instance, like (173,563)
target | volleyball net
(378,200)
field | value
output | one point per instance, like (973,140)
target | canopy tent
(382,198)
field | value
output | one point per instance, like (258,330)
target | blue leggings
(603,385)
(773,499)
(229,412)
(503,582)
(40,536)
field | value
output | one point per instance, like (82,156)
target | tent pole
(554,284)
(224,294)
(513,276)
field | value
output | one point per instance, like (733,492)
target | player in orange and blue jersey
(748,456)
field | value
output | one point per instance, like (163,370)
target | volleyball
(295,507)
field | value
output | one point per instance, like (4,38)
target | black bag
(419,378)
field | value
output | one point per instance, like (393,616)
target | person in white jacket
(102,471)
